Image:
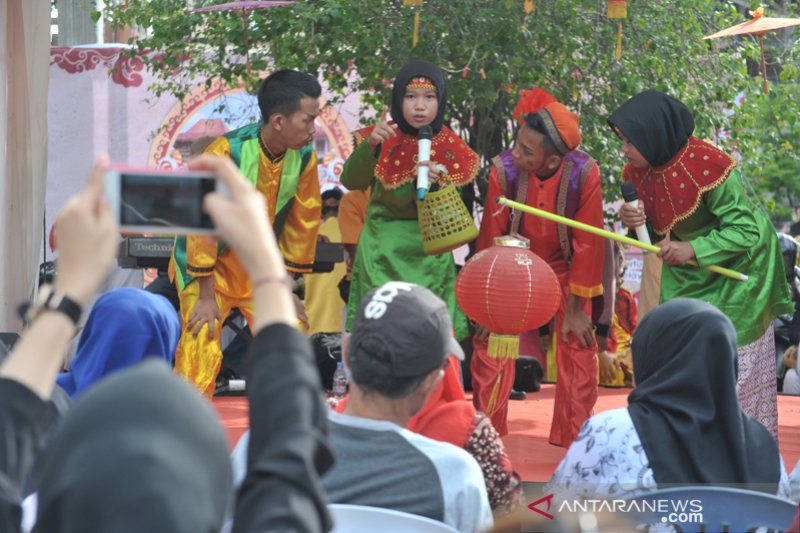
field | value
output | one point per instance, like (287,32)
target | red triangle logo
(549,500)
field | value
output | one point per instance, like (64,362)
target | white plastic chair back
(363,519)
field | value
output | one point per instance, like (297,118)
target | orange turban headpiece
(562,125)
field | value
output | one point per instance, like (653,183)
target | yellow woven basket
(444,221)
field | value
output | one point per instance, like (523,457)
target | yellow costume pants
(198,359)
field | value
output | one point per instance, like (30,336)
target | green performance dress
(692,191)
(390,244)
(726,229)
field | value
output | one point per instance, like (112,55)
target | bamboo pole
(502,200)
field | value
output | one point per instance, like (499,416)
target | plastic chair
(362,519)
(722,509)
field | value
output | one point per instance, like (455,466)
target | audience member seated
(683,424)
(448,416)
(142,451)
(400,350)
(125,326)
(401,339)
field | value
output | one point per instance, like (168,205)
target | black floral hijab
(406,74)
(685,407)
(658,125)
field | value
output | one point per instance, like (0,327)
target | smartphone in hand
(147,200)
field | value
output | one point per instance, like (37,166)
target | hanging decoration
(415,35)
(529,7)
(617,9)
(508,289)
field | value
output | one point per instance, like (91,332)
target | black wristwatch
(51,300)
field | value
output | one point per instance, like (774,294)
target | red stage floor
(529,425)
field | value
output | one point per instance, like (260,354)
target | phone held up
(147,200)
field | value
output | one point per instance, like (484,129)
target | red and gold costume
(581,275)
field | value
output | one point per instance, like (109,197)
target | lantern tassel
(503,346)
(551,376)
(415,36)
(617,9)
(493,396)
(528,6)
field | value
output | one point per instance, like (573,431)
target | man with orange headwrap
(545,170)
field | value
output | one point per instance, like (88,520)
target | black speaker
(327,255)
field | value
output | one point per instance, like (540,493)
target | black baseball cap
(405,327)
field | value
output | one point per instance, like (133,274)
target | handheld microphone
(631,198)
(424,137)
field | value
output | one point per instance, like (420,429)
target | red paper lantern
(508,289)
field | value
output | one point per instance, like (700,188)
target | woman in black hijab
(690,192)
(390,246)
(412,70)
(141,451)
(683,424)
(684,406)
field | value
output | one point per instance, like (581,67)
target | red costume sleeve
(586,271)
(496,220)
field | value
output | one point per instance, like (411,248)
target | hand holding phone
(87,239)
(146,200)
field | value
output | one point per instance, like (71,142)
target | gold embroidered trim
(672,170)
(421,82)
(552,132)
(561,208)
(459,172)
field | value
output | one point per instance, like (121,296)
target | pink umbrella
(245,6)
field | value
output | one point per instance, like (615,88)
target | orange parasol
(757,26)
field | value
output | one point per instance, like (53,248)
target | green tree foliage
(489,48)
(769,134)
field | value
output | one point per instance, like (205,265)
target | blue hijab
(125,326)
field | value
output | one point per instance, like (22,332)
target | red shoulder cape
(398,159)
(673,192)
